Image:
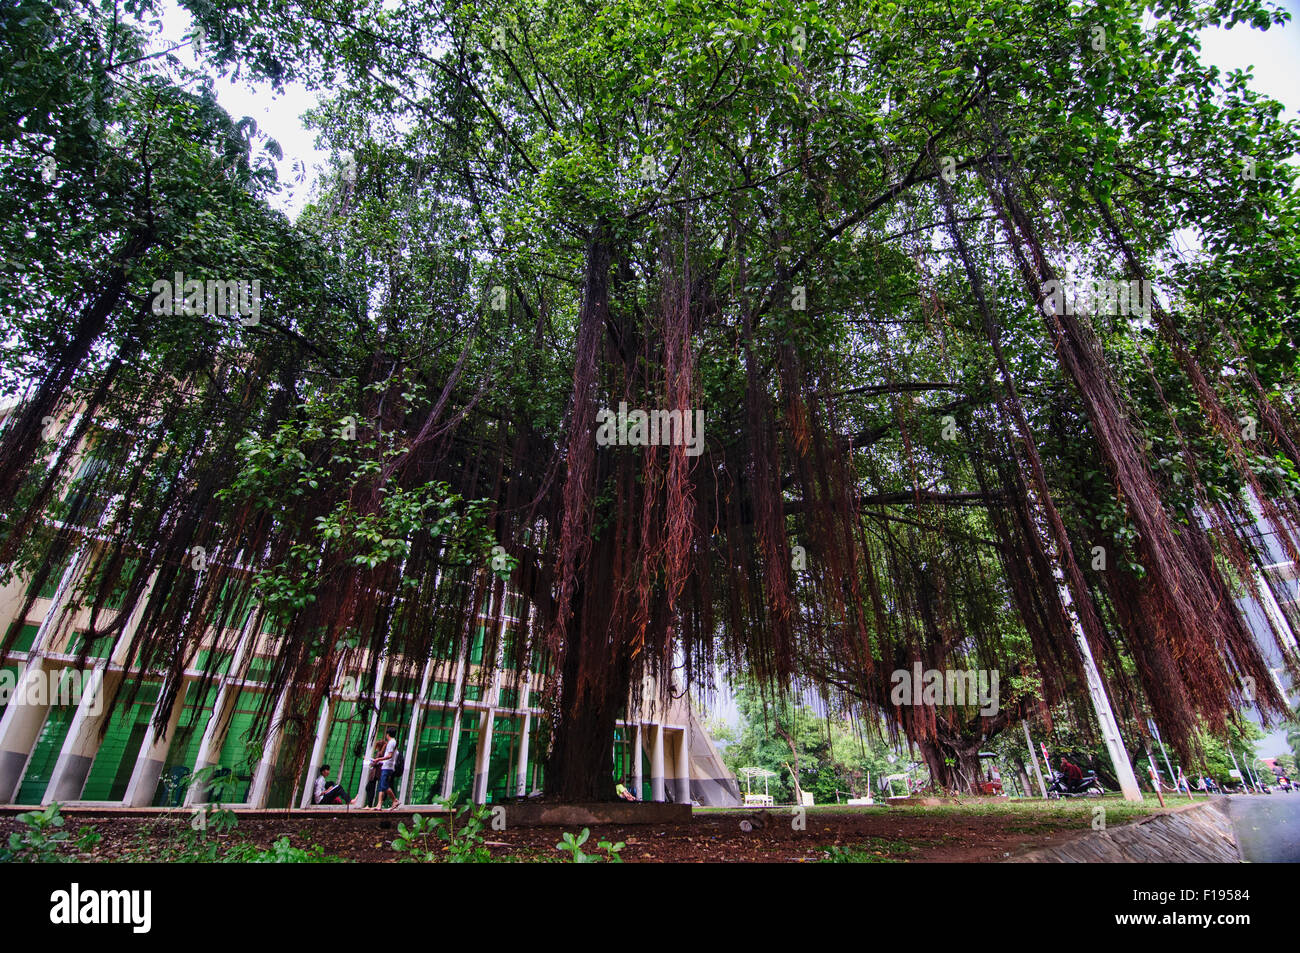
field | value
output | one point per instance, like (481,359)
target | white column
(22,722)
(483,757)
(83,739)
(372,728)
(149,763)
(683,767)
(1096,688)
(214,733)
(525,724)
(318,750)
(1105,714)
(264,773)
(657,762)
(418,710)
(638,778)
(1275,615)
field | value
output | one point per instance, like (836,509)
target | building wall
(466,731)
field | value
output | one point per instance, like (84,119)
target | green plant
(462,846)
(88,838)
(40,841)
(280,852)
(573,845)
(861,854)
(197,843)
(416,841)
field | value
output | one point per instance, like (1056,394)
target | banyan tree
(987,311)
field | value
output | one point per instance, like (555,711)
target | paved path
(1267,826)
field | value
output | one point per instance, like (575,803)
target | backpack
(399,764)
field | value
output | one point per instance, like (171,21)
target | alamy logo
(1097,296)
(974,687)
(60,687)
(655,428)
(213,298)
(77,906)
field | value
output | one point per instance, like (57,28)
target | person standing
(372,772)
(387,765)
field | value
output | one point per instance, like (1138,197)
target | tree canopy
(990,309)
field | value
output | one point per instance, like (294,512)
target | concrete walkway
(1267,827)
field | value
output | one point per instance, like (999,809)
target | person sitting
(621,790)
(326,791)
(1072,772)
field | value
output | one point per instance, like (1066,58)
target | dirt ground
(971,832)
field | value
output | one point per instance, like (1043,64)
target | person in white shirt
(387,765)
(326,791)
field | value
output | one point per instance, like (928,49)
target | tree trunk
(581,764)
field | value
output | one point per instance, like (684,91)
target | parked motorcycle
(1087,786)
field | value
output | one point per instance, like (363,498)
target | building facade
(469,730)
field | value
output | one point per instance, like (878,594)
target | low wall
(1195,834)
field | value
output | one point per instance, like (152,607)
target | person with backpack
(387,766)
(367,795)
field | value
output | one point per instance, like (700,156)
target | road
(1267,826)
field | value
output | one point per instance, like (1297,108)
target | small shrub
(573,845)
(40,841)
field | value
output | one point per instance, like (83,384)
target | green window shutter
(476,649)
(26,636)
(115,760)
(184,748)
(40,767)
(431,757)
(503,759)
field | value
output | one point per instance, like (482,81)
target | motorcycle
(1087,786)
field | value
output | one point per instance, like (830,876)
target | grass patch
(873,850)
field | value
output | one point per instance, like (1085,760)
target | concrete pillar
(84,736)
(1286,636)
(458,699)
(483,756)
(260,790)
(149,763)
(1105,715)
(82,741)
(223,706)
(22,722)
(453,749)
(657,762)
(372,729)
(683,794)
(521,763)
(318,750)
(418,710)
(1106,720)
(638,777)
